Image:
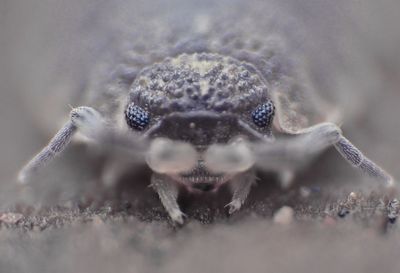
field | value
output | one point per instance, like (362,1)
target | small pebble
(97,221)
(329,221)
(284,215)
(11,218)
(352,196)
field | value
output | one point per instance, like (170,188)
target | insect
(209,104)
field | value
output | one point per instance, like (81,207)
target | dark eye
(264,114)
(136,117)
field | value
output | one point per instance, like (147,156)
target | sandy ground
(52,227)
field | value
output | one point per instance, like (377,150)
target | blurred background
(47,53)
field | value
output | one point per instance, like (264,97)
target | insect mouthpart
(200,178)
(184,163)
(188,148)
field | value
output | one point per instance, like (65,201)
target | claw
(286,179)
(234,206)
(177,216)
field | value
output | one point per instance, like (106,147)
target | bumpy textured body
(274,44)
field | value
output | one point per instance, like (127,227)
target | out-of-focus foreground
(47,49)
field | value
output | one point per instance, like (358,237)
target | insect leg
(83,119)
(167,190)
(329,133)
(356,158)
(241,186)
(292,153)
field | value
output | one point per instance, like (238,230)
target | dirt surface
(65,223)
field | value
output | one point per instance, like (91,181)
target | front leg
(241,185)
(83,119)
(357,159)
(309,142)
(331,134)
(168,190)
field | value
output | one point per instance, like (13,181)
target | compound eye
(136,117)
(264,114)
